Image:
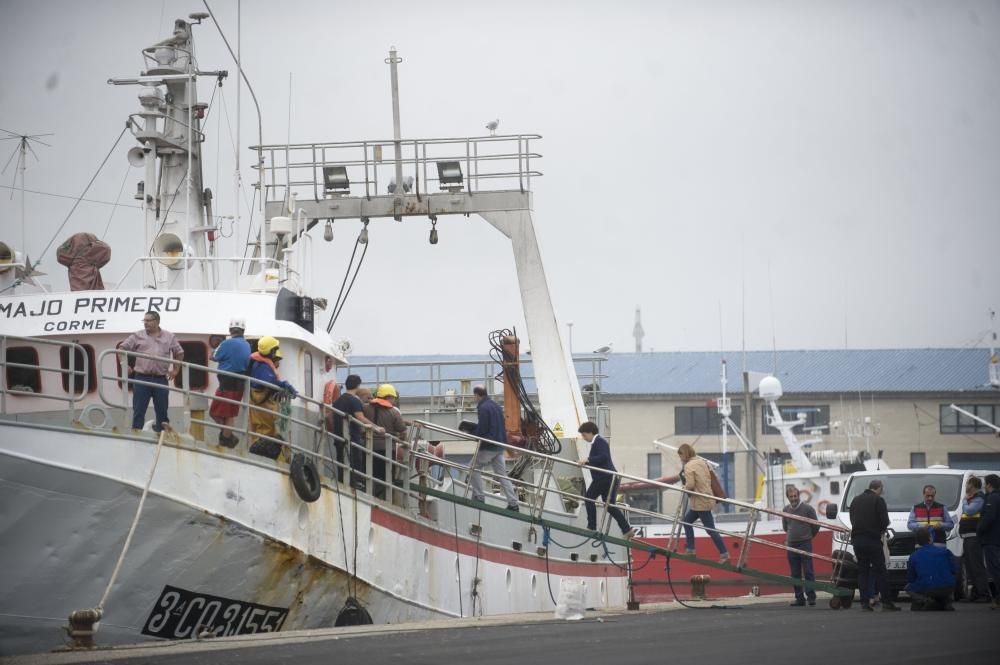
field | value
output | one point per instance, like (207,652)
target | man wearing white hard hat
(233,355)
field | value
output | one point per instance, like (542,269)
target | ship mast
(179,234)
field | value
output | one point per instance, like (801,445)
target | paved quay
(743,630)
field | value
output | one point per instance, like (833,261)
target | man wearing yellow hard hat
(382,411)
(266,386)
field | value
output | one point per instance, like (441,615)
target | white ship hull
(241,550)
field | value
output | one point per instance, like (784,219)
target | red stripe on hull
(651,580)
(447,541)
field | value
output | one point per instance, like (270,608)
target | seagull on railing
(492,126)
(605,349)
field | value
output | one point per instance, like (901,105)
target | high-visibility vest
(933,516)
(967,523)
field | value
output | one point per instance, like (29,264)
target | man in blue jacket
(602,484)
(233,355)
(490,427)
(266,387)
(989,531)
(930,574)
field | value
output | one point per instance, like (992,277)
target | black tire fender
(305,478)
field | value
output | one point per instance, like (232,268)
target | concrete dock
(744,630)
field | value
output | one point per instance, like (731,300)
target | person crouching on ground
(233,355)
(604,485)
(265,388)
(930,574)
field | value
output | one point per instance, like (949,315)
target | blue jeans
(801,567)
(706,518)
(141,395)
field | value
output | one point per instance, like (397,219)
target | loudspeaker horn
(170,251)
(137,156)
(7,256)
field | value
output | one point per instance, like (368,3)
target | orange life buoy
(331,391)
(821,507)
(805,496)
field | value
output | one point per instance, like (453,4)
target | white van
(902,489)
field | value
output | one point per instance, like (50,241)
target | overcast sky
(838,161)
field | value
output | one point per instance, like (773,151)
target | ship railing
(76,380)
(305,430)
(366,168)
(436,386)
(238,266)
(139,124)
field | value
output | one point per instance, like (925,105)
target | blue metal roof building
(899,371)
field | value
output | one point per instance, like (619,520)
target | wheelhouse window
(953,422)
(195,353)
(815,416)
(307,363)
(25,379)
(82,373)
(701,419)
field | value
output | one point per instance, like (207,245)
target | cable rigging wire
(38,262)
(545,440)
(114,209)
(342,295)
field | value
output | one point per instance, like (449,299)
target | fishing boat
(820,476)
(136,534)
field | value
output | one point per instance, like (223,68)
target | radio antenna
(24,142)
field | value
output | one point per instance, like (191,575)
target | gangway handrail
(747,536)
(621,475)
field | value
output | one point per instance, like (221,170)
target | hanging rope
(352,577)
(546,441)
(338,305)
(677,598)
(454,508)
(135,520)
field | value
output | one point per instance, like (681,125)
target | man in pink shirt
(154,341)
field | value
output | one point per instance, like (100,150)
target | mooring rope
(135,520)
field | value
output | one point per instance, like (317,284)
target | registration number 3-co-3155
(179,613)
